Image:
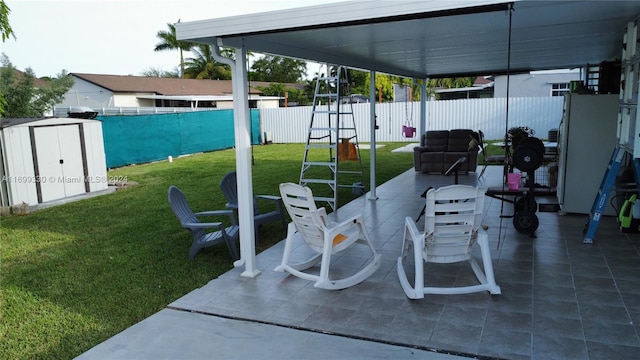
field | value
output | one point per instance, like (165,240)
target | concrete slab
(407,148)
(175,334)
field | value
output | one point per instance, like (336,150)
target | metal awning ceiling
(431,38)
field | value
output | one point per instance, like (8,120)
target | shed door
(59,161)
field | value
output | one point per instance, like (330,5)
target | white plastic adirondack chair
(324,237)
(452,228)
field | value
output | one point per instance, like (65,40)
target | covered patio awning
(441,38)
(417,39)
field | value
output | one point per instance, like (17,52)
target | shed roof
(438,38)
(9,122)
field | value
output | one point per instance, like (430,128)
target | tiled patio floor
(561,299)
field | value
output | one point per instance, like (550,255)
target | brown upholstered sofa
(439,149)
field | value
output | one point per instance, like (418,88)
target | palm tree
(204,66)
(169,41)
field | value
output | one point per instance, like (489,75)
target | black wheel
(525,222)
(526,203)
(527,157)
(535,141)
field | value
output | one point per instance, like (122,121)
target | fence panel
(290,125)
(142,138)
(145,138)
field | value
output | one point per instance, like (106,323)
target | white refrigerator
(587,138)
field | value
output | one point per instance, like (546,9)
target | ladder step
(318,137)
(321,146)
(349,186)
(325,199)
(322,129)
(318,163)
(330,112)
(318,181)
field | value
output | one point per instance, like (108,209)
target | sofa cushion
(432,161)
(459,140)
(436,140)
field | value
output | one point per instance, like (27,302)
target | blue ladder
(604,192)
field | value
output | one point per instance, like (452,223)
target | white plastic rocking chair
(323,237)
(452,228)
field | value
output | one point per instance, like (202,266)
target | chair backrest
(435,140)
(229,187)
(452,217)
(181,209)
(309,220)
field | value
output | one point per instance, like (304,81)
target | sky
(115,37)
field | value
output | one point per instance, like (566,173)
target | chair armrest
(323,216)
(273,198)
(269,197)
(214,213)
(229,213)
(203,225)
(345,224)
(410,225)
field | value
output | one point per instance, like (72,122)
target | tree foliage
(5,28)
(278,69)
(159,73)
(294,96)
(360,81)
(22,98)
(204,66)
(169,41)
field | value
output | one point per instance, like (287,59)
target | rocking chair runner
(452,228)
(323,237)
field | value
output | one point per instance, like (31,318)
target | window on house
(559,89)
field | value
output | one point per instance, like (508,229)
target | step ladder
(629,99)
(332,153)
(604,192)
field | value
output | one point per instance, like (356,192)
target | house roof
(161,86)
(429,39)
(38,83)
(482,81)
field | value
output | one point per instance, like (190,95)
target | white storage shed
(46,159)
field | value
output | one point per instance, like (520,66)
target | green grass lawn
(76,274)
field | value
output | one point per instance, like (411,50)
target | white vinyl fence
(290,125)
(63,111)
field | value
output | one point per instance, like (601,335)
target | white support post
(423,108)
(243,159)
(372,126)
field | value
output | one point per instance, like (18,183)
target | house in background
(532,84)
(482,88)
(536,83)
(109,91)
